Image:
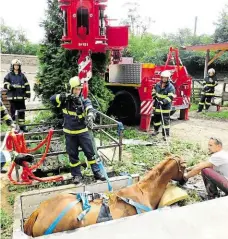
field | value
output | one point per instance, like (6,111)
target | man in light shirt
(214,171)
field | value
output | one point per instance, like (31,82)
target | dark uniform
(162,105)
(18,89)
(208,92)
(76,132)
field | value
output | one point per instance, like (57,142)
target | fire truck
(87,29)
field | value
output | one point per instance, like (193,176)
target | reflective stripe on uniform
(7,85)
(200,103)
(26,83)
(210,85)
(2,108)
(75,131)
(68,112)
(75,164)
(18,86)
(165,126)
(168,99)
(157,124)
(171,94)
(88,107)
(161,96)
(210,94)
(6,117)
(162,111)
(58,100)
(27,92)
(92,162)
(207,103)
(15,98)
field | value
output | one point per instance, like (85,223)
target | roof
(213,47)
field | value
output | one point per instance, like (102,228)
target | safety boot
(99,176)
(77,179)
(155,133)
(24,129)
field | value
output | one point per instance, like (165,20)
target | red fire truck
(87,29)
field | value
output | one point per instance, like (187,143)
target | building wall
(25,59)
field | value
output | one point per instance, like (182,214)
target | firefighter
(18,90)
(77,111)
(6,117)
(208,91)
(163,94)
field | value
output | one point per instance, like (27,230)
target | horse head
(180,164)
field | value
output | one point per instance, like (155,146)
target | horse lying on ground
(147,192)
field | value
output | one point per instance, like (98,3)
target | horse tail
(28,226)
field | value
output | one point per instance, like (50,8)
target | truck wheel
(125,107)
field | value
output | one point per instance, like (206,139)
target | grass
(194,107)
(146,157)
(6,224)
(217,115)
(11,199)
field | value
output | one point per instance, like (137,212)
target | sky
(169,15)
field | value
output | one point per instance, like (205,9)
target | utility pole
(195,26)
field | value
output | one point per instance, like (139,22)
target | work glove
(11,87)
(13,127)
(160,103)
(64,96)
(90,119)
(206,89)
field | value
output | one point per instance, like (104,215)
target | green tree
(15,41)
(58,65)
(221,31)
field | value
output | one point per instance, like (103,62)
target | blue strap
(120,128)
(85,205)
(130,179)
(101,166)
(139,207)
(60,216)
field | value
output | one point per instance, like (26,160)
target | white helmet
(16,62)
(211,71)
(166,74)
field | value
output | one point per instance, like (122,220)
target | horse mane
(157,170)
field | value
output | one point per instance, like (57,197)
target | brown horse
(147,192)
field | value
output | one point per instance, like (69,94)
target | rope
(99,162)
(166,139)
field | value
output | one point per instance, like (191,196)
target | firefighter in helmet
(78,115)
(208,91)
(18,91)
(163,94)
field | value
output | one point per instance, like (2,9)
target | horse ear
(167,155)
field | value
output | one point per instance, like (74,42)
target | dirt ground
(200,130)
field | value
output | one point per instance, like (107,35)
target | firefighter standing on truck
(75,110)
(208,91)
(18,90)
(163,94)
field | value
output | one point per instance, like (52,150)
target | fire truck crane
(87,29)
